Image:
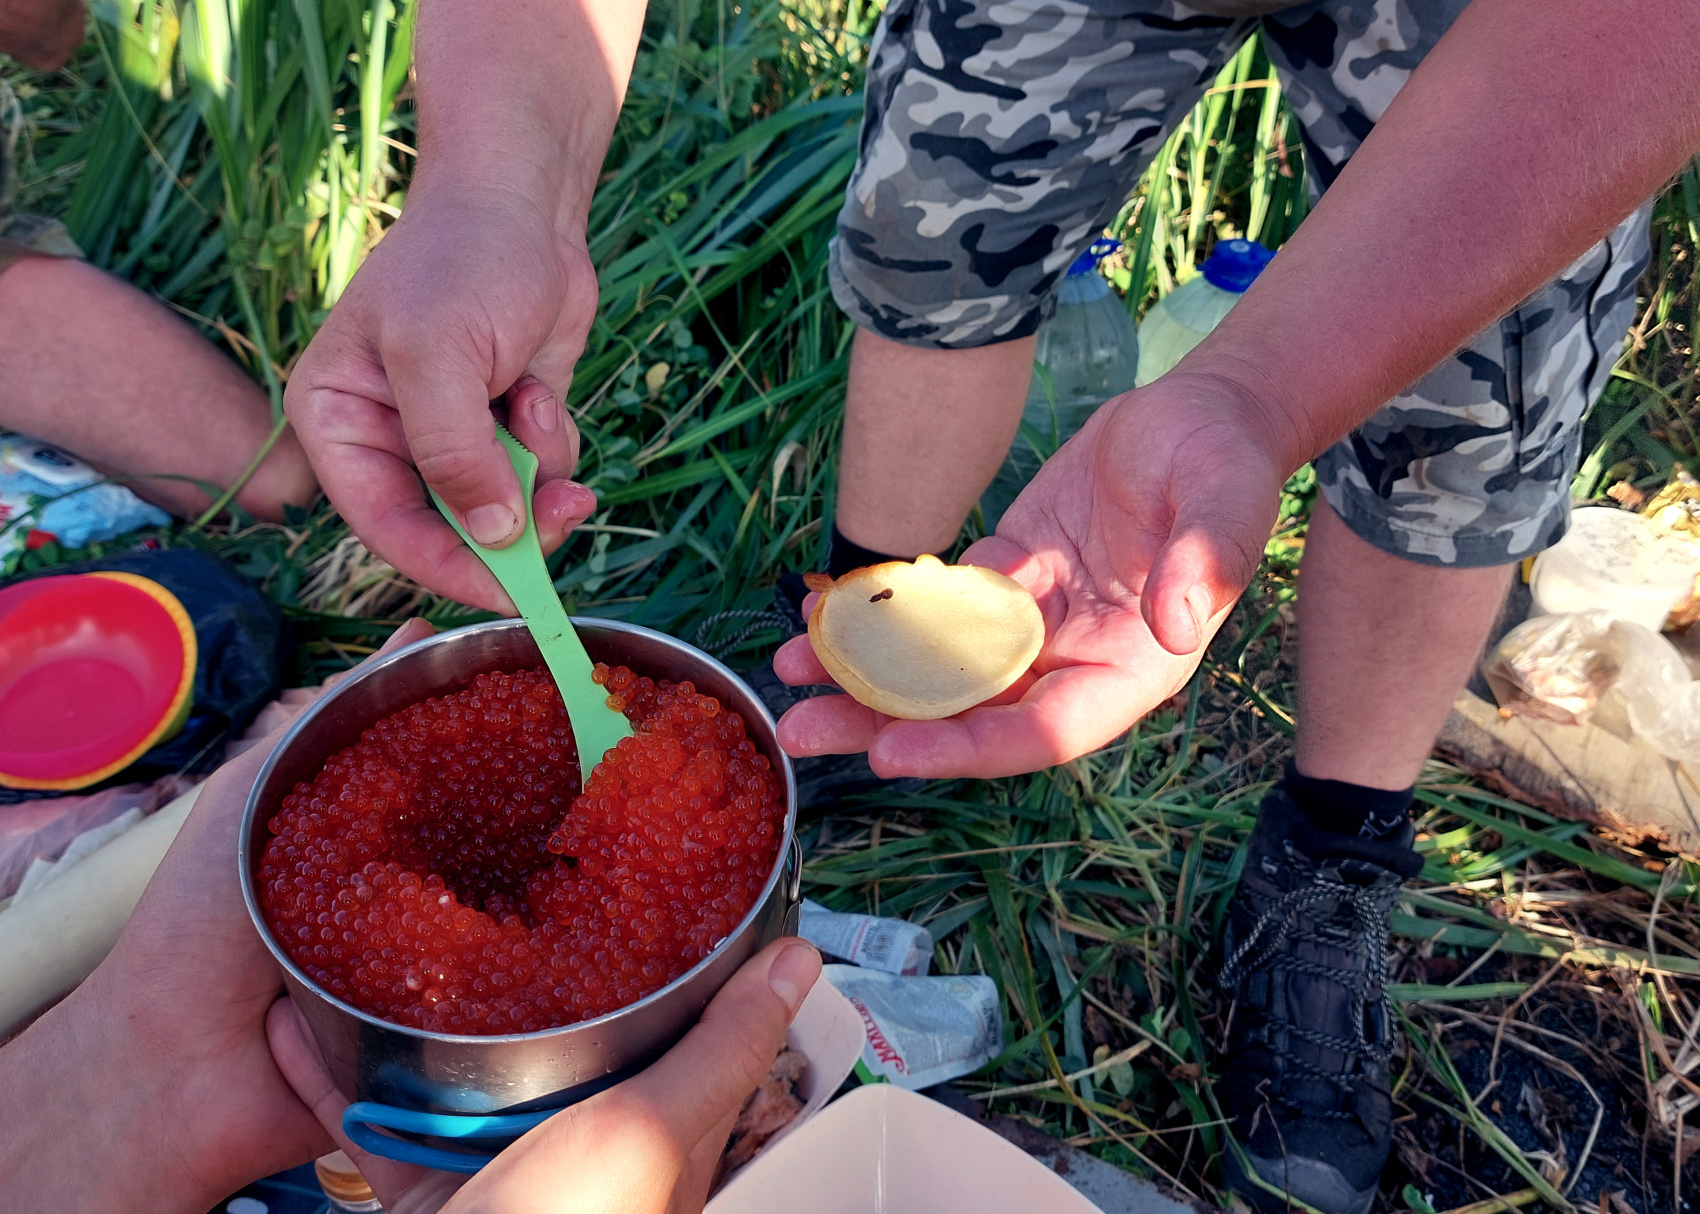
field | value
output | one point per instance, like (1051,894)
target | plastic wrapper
(891,945)
(41,871)
(53,938)
(63,498)
(1553,667)
(1661,698)
(922,1031)
(43,830)
(1560,668)
(1615,561)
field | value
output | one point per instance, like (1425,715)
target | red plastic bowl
(95,668)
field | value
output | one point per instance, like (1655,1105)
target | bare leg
(93,365)
(1385,644)
(924,433)
(40,33)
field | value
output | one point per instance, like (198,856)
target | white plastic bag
(67,497)
(1653,683)
(1553,667)
(1560,667)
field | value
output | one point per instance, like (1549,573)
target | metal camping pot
(484,1080)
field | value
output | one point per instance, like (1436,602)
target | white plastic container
(1618,562)
(1184,317)
(1086,353)
(882,1150)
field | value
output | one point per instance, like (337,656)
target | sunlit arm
(1527,134)
(523,93)
(483,288)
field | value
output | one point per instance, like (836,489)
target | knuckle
(412,342)
(297,402)
(431,334)
(580,301)
(578,313)
(750,1059)
(448,465)
(626,1128)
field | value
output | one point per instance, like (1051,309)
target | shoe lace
(1270,945)
(759,621)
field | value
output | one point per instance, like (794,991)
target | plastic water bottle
(1087,352)
(1181,319)
(344,1186)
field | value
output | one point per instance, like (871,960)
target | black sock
(847,554)
(1343,808)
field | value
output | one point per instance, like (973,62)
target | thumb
(701,1082)
(451,435)
(1211,553)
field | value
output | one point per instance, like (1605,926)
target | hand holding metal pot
(646,1146)
(449,1101)
(650,1142)
(171,1080)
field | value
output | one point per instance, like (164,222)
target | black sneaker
(1304,1080)
(826,781)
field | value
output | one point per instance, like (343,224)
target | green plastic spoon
(519,568)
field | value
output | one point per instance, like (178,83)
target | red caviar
(448,872)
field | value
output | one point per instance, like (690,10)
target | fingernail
(793,972)
(546,413)
(490,524)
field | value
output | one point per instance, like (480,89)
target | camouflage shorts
(23,235)
(1001,135)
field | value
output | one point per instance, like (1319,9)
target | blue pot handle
(359,1119)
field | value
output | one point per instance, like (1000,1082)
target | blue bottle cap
(1234,264)
(1096,252)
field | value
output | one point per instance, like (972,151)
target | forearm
(79,1114)
(523,93)
(1530,131)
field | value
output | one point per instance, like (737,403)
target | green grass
(237,160)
